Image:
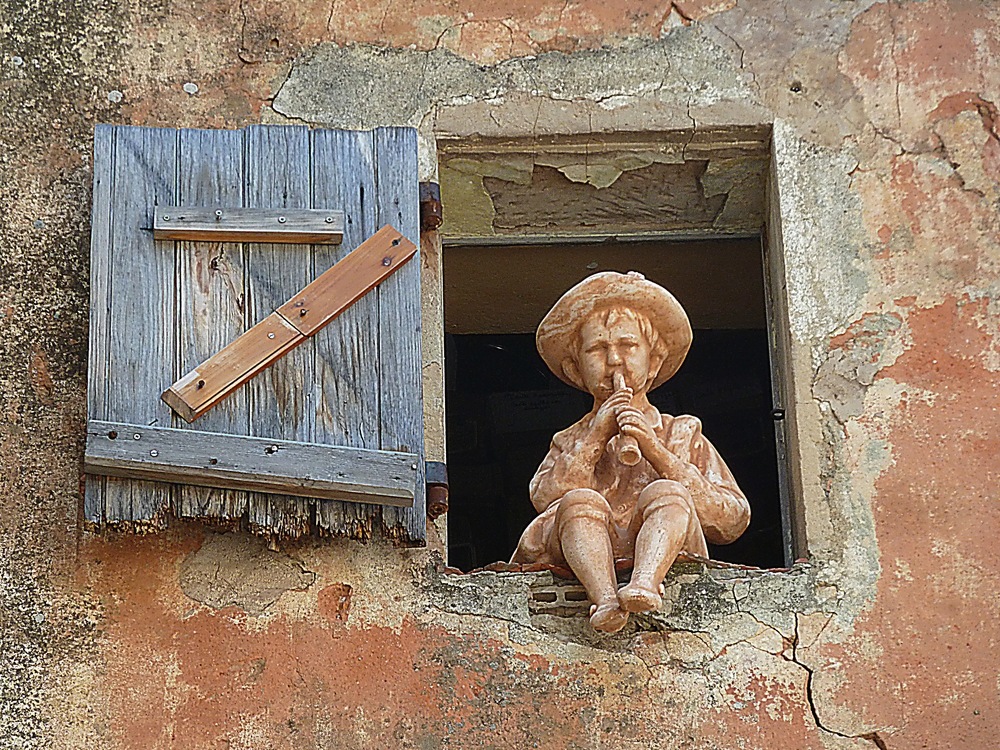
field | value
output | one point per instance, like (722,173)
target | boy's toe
(635,598)
(608,618)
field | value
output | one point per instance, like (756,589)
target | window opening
(503,404)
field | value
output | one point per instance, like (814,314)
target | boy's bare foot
(636,598)
(608,617)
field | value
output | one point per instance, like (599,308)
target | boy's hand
(632,423)
(605,421)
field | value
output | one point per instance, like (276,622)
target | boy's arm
(684,455)
(723,510)
(568,465)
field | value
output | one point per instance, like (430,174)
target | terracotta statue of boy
(625,481)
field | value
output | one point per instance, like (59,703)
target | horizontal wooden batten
(302,316)
(282,225)
(283,467)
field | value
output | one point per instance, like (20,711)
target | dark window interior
(503,404)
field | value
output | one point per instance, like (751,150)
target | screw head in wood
(201,383)
(154,453)
(166,218)
(270,335)
(281,219)
(329,220)
(302,313)
(387,261)
(136,436)
(271,450)
(218,215)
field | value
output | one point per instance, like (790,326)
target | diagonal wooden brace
(347,281)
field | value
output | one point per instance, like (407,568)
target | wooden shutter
(339,416)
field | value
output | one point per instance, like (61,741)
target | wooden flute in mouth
(628,448)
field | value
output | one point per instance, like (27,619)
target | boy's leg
(669,524)
(582,528)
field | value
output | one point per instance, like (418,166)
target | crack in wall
(874,736)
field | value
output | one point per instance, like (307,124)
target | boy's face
(608,348)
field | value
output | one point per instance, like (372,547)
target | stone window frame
(812,223)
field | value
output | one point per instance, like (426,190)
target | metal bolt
(271,450)
(166,218)
(387,261)
(270,335)
(413,466)
(281,219)
(136,436)
(302,313)
(329,220)
(213,461)
(201,383)
(154,453)
(218,215)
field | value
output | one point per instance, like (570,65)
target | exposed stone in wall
(239,571)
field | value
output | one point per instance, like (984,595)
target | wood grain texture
(337,288)
(401,395)
(211,303)
(100,295)
(140,347)
(282,403)
(231,461)
(347,353)
(303,315)
(220,222)
(225,371)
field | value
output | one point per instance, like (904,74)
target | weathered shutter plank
(141,348)
(347,353)
(401,399)
(100,295)
(211,296)
(221,460)
(281,405)
(222,374)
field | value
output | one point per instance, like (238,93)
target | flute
(628,447)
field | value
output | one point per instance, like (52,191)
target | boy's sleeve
(541,496)
(722,507)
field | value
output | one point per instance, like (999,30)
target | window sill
(701,597)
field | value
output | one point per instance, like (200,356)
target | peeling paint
(233,570)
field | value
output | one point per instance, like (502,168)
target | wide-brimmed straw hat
(558,330)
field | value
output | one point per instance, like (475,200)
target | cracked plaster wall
(886,127)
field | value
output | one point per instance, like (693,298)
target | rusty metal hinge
(437,488)
(430,206)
